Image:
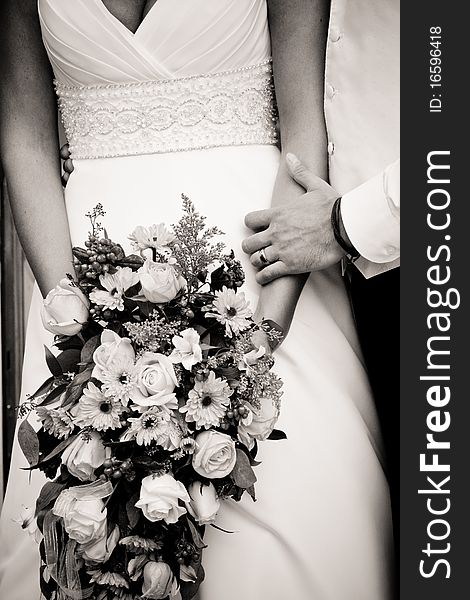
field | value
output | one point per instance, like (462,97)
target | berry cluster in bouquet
(157,399)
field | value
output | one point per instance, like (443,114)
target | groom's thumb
(299,172)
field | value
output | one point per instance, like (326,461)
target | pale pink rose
(259,422)
(159,581)
(84,520)
(215,455)
(156,381)
(85,454)
(65,309)
(160,497)
(160,282)
(204,503)
(187,348)
(113,351)
(99,550)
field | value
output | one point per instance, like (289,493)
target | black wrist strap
(351,252)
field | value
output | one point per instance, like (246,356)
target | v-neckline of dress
(121,25)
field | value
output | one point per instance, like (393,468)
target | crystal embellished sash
(204,111)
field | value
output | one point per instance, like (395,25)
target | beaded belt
(204,111)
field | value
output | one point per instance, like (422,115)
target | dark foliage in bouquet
(151,416)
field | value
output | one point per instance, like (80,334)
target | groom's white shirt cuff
(371,217)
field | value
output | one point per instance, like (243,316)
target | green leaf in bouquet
(133,513)
(52,363)
(57,450)
(134,261)
(49,493)
(88,349)
(251,491)
(81,254)
(43,388)
(243,475)
(29,442)
(229,373)
(52,396)
(197,538)
(277,434)
(75,389)
(187,573)
(65,342)
(251,454)
(69,359)
(188,588)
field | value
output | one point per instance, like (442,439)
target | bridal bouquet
(152,414)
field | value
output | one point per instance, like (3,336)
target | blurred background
(16,287)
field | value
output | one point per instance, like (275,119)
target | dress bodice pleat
(87,45)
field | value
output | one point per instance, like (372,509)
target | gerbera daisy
(116,285)
(137,544)
(232,310)
(120,378)
(207,402)
(155,236)
(156,425)
(108,578)
(96,410)
(57,421)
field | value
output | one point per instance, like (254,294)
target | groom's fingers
(270,254)
(271,272)
(259,219)
(256,242)
(305,178)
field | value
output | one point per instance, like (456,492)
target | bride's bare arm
(28,118)
(298,34)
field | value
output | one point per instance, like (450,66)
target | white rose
(160,282)
(84,520)
(113,350)
(187,348)
(160,496)
(65,309)
(159,581)
(156,381)
(259,424)
(100,550)
(204,503)
(215,454)
(84,455)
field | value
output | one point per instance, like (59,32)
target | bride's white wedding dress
(183,105)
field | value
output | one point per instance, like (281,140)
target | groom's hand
(296,237)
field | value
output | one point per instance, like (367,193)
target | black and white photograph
(200,300)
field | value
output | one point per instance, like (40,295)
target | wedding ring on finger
(262,256)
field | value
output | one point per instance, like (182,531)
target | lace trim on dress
(203,111)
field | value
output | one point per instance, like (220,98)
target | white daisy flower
(96,410)
(116,285)
(207,402)
(108,578)
(156,425)
(155,236)
(120,378)
(232,310)
(57,421)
